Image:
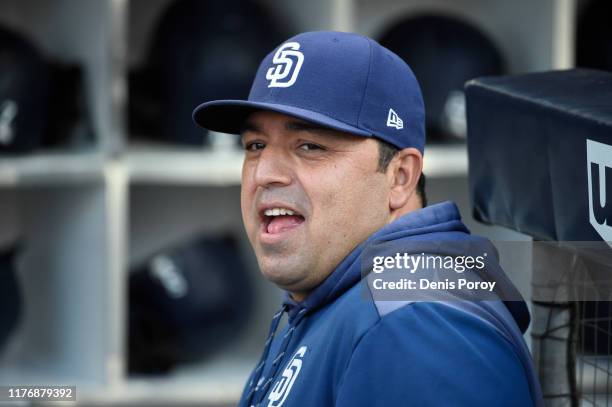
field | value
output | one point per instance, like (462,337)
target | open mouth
(280,219)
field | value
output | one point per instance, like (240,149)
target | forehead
(268,122)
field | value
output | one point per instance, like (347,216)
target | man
(334,136)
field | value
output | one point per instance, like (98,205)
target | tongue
(282,223)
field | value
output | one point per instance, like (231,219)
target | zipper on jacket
(259,385)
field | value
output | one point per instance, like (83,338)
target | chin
(285,275)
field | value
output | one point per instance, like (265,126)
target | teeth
(278,212)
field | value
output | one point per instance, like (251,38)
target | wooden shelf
(51,168)
(183,166)
(445,161)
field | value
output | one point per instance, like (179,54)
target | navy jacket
(343,348)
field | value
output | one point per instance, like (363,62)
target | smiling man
(333,132)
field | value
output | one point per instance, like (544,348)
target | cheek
(246,203)
(350,205)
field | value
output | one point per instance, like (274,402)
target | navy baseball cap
(342,81)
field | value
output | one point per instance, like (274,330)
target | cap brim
(228,116)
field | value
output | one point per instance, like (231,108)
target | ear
(404,172)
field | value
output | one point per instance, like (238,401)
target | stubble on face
(328,179)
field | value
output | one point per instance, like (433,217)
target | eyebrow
(305,126)
(293,125)
(250,127)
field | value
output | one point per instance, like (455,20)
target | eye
(254,146)
(310,147)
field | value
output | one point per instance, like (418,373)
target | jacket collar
(442,217)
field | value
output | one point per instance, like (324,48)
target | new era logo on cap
(393,120)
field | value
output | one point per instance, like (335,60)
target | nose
(272,168)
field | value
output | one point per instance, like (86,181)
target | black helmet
(10,295)
(185,303)
(23,93)
(443,52)
(201,50)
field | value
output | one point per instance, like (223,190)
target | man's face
(309,196)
